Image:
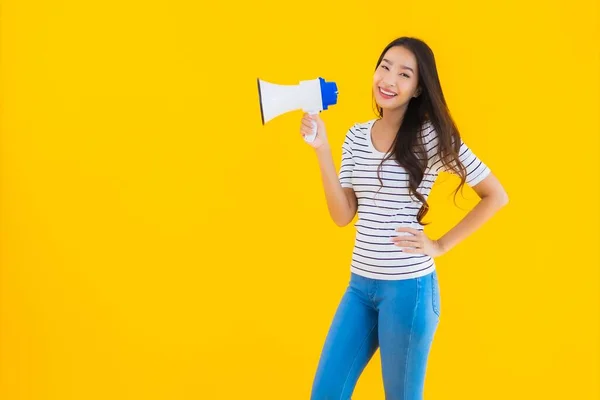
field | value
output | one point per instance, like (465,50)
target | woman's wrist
(324,149)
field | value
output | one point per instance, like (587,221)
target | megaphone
(311,96)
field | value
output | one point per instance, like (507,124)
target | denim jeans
(399,317)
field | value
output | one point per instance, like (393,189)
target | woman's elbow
(342,223)
(491,189)
(504,199)
(501,198)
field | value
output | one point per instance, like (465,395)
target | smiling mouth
(386,94)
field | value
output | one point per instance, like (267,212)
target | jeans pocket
(435,294)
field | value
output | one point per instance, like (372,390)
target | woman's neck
(390,122)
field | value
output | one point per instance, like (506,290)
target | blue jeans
(399,317)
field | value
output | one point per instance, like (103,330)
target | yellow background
(159,243)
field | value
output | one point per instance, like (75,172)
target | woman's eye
(405,75)
(384,67)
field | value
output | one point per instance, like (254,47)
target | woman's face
(396,79)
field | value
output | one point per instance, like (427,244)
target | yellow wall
(159,243)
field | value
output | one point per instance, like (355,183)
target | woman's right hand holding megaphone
(306,128)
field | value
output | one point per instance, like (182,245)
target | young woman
(388,167)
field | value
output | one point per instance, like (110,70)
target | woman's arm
(341,202)
(493,198)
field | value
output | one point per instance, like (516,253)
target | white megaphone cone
(311,96)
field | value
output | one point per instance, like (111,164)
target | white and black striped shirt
(383,209)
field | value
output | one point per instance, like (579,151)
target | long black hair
(430,105)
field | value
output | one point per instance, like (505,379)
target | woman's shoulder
(359,129)
(362,126)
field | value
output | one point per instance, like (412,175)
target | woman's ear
(417,92)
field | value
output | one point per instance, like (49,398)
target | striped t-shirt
(383,209)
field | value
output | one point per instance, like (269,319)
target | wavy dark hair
(430,105)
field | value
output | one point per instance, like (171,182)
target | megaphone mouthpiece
(262,114)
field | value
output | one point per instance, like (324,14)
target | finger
(417,246)
(414,251)
(307,124)
(405,243)
(405,238)
(306,131)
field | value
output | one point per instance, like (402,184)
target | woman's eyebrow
(402,66)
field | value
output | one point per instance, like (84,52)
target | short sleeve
(476,169)
(347,165)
